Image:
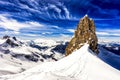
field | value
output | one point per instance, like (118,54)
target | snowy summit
(86,15)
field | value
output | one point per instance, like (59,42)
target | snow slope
(110,58)
(26,54)
(80,65)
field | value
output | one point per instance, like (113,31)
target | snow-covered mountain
(112,47)
(18,55)
(110,53)
(19,59)
(82,64)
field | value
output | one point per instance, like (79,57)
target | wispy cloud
(9,33)
(44,33)
(65,37)
(61,10)
(30,35)
(67,13)
(71,30)
(102,33)
(54,7)
(45,9)
(56,27)
(12,24)
(109,32)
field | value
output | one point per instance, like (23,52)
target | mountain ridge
(80,65)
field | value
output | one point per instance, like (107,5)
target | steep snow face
(111,58)
(110,53)
(80,65)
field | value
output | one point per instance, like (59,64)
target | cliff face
(85,33)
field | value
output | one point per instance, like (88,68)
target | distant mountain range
(82,64)
(20,54)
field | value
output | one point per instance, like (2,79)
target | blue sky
(32,19)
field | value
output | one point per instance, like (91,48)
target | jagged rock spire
(85,33)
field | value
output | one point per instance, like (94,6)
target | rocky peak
(6,37)
(14,38)
(85,33)
(10,41)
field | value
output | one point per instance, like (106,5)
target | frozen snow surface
(82,64)
(43,59)
(17,56)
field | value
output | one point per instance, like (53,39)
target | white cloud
(65,37)
(109,33)
(32,35)
(16,32)
(66,12)
(47,33)
(7,3)
(13,24)
(102,33)
(51,6)
(56,27)
(36,24)
(71,30)
(118,35)
(59,10)
(10,32)
(54,8)
(23,6)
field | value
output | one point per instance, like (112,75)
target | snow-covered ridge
(24,58)
(80,65)
(21,55)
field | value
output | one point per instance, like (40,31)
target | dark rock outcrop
(11,43)
(14,38)
(6,37)
(60,48)
(85,33)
